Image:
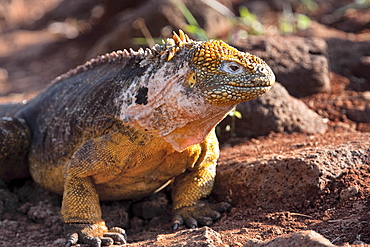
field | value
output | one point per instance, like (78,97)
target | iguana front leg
(81,211)
(193,185)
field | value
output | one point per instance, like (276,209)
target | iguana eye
(232,67)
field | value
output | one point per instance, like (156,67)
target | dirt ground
(30,57)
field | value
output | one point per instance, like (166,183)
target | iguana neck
(193,132)
(161,105)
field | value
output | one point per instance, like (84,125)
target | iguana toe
(202,213)
(72,239)
(117,234)
(95,235)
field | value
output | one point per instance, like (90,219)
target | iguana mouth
(251,84)
(233,94)
(247,86)
(233,89)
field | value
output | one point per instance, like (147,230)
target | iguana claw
(95,235)
(71,239)
(202,213)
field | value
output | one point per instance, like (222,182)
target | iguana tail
(15,139)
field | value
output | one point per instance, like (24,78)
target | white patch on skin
(169,108)
(7,118)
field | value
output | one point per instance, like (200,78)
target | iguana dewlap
(124,124)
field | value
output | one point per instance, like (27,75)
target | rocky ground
(295,166)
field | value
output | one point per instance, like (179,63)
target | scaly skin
(124,124)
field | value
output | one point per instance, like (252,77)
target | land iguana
(125,124)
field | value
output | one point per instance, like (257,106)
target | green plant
(234,114)
(357,4)
(291,22)
(193,27)
(358,237)
(249,22)
(309,5)
(148,38)
(364,3)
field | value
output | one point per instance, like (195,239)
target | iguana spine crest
(166,52)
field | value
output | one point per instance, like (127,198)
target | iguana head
(227,76)
(190,86)
(221,73)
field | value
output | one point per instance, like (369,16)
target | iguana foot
(95,235)
(203,213)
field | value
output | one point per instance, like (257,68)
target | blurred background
(318,49)
(41,39)
(317,115)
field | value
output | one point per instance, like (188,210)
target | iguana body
(125,124)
